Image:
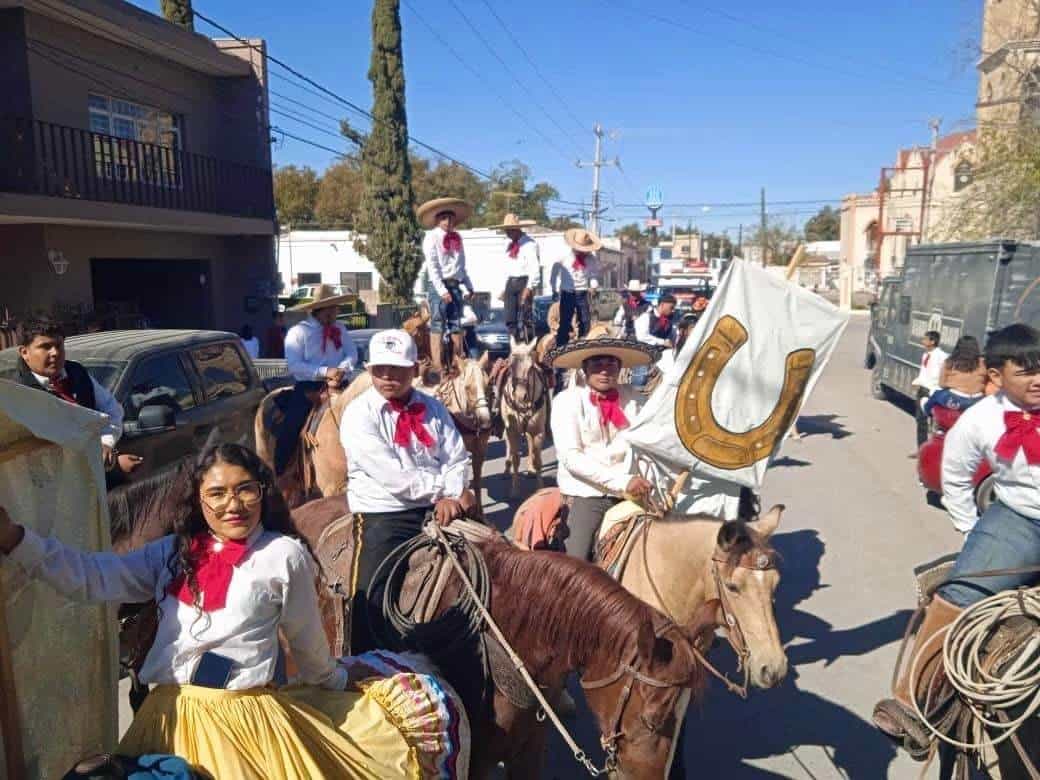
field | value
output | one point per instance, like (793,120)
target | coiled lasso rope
(990,694)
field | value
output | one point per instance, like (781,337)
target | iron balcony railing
(42,158)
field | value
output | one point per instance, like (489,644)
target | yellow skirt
(299,733)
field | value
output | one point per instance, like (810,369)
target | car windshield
(494,315)
(105,373)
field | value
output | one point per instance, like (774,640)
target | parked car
(603,307)
(492,334)
(179,388)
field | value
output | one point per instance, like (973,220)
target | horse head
(744,577)
(472,390)
(524,373)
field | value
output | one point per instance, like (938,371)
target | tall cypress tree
(387,208)
(178,12)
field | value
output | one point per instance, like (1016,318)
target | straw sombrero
(428,211)
(630,353)
(324,299)
(510,221)
(582,240)
(634,285)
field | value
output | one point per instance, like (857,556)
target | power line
(477,74)
(710,204)
(534,65)
(315,144)
(295,118)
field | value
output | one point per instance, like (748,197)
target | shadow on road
(786,462)
(823,425)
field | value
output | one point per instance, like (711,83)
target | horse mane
(146,498)
(566,603)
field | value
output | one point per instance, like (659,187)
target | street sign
(654,198)
(904,224)
(653,223)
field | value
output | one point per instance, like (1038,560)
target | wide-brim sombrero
(582,240)
(325,298)
(630,353)
(513,222)
(428,211)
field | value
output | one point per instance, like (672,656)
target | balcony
(41,158)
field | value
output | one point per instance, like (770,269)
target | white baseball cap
(392,348)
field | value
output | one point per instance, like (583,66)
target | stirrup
(897,721)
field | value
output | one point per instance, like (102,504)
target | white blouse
(272,587)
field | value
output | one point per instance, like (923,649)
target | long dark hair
(274,512)
(965,355)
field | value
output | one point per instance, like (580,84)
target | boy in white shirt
(1003,430)
(445,263)
(927,379)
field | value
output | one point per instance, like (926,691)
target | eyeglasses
(249,494)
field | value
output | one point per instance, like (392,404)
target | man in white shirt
(42,365)
(1004,431)
(593,463)
(405,459)
(631,307)
(319,353)
(445,264)
(927,379)
(523,276)
(572,279)
(654,327)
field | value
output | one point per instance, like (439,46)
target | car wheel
(877,389)
(984,494)
(871,361)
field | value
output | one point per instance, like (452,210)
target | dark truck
(179,388)
(958,290)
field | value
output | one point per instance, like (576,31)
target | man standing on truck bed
(927,381)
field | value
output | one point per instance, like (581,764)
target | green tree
(179,12)
(781,241)
(717,246)
(449,180)
(508,192)
(565,222)
(824,226)
(339,194)
(387,213)
(295,194)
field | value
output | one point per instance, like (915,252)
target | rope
(989,693)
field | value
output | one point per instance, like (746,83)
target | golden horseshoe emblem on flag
(698,429)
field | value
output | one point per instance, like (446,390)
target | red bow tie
(331,333)
(514,249)
(927,357)
(579,260)
(62,388)
(215,562)
(609,409)
(663,322)
(452,242)
(1020,433)
(410,423)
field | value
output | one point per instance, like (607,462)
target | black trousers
(519,317)
(295,406)
(572,303)
(451,312)
(922,418)
(584,517)
(376,535)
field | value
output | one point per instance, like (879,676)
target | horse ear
(731,534)
(424,312)
(484,360)
(646,640)
(766,524)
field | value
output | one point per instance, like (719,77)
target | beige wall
(858,212)
(1010,51)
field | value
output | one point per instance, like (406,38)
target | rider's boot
(897,716)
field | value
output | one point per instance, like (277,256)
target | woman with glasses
(226,581)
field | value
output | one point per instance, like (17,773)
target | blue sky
(711,101)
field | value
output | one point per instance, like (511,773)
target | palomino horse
(638,668)
(320,465)
(524,405)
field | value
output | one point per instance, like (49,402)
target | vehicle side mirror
(155,417)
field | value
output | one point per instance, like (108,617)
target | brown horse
(638,667)
(524,405)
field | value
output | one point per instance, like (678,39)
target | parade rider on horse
(1004,430)
(319,353)
(523,276)
(42,365)
(405,459)
(445,264)
(593,464)
(633,305)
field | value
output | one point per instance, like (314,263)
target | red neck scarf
(62,387)
(1020,433)
(331,333)
(927,357)
(410,423)
(579,260)
(663,322)
(514,249)
(609,408)
(215,562)
(452,242)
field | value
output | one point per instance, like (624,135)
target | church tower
(1009,65)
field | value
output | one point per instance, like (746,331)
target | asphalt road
(856,523)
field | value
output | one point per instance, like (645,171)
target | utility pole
(763,214)
(597,163)
(740,240)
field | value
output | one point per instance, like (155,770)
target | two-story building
(135,170)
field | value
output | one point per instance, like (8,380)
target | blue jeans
(639,376)
(1002,539)
(451,312)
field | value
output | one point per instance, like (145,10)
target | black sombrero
(630,353)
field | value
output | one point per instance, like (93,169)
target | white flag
(723,408)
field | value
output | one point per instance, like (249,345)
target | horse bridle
(448,390)
(533,404)
(628,669)
(756,560)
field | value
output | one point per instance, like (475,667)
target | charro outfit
(311,350)
(631,307)
(402,457)
(445,266)
(523,272)
(927,382)
(252,590)
(572,278)
(655,330)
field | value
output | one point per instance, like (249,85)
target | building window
(356,281)
(115,123)
(962,175)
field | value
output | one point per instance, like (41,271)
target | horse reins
(532,406)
